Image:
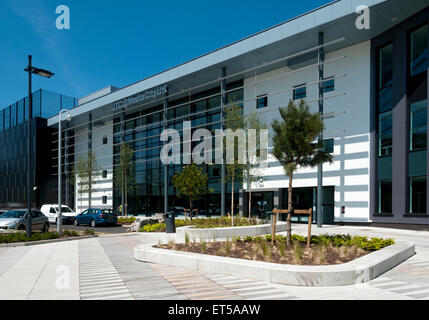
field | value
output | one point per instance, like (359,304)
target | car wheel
(45,228)
(56,221)
(75,222)
(93,223)
(21,228)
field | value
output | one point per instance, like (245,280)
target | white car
(51,211)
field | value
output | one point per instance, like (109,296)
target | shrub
(71,233)
(22,237)
(89,232)
(126,220)
(338,240)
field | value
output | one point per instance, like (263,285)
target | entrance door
(306,198)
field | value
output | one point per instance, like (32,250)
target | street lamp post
(60,210)
(47,74)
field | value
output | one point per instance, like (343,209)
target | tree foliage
(86,171)
(295,144)
(191,183)
(124,175)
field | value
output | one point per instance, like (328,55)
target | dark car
(95,217)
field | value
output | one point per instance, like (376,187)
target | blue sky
(121,42)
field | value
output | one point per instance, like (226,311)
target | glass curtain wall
(384,127)
(142,132)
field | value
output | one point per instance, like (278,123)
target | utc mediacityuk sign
(140,97)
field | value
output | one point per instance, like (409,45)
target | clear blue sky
(121,42)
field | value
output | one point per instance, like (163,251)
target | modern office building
(13,147)
(367,67)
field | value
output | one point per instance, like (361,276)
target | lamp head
(68,117)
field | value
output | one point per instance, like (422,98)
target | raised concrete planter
(230,232)
(357,271)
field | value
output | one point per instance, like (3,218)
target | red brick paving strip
(194,285)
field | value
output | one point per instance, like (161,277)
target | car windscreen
(13,214)
(64,209)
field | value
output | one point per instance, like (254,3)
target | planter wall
(223,233)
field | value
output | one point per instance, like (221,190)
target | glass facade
(418,195)
(418,125)
(13,146)
(385,127)
(46,104)
(419,50)
(142,132)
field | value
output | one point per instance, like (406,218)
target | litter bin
(170,224)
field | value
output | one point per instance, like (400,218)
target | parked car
(17,219)
(51,211)
(95,217)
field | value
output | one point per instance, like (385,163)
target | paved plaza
(104,268)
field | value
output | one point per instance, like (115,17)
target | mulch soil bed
(296,254)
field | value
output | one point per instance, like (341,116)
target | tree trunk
(232,201)
(190,206)
(125,194)
(250,201)
(289,214)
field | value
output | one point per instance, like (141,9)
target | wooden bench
(188,211)
(308,213)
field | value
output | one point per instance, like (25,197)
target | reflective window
(419,50)
(13,119)
(261,102)
(418,125)
(328,145)
(299,92)
(21,111)
(418,195)
(385,196)
(7,118)
(385,134)
(328,85)
(385,78)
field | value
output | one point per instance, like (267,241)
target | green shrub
(22,237)
(338,240)
(71,233)
(126,220)
(89,232)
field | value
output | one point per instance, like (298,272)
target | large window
(419,50)
(385,196)
(385,78)
(418,195)
(418,125)
(385,134)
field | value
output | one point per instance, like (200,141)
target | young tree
(191,183)
(234,120)
(294,145)
(252,172)
(86,172)
(125,179)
